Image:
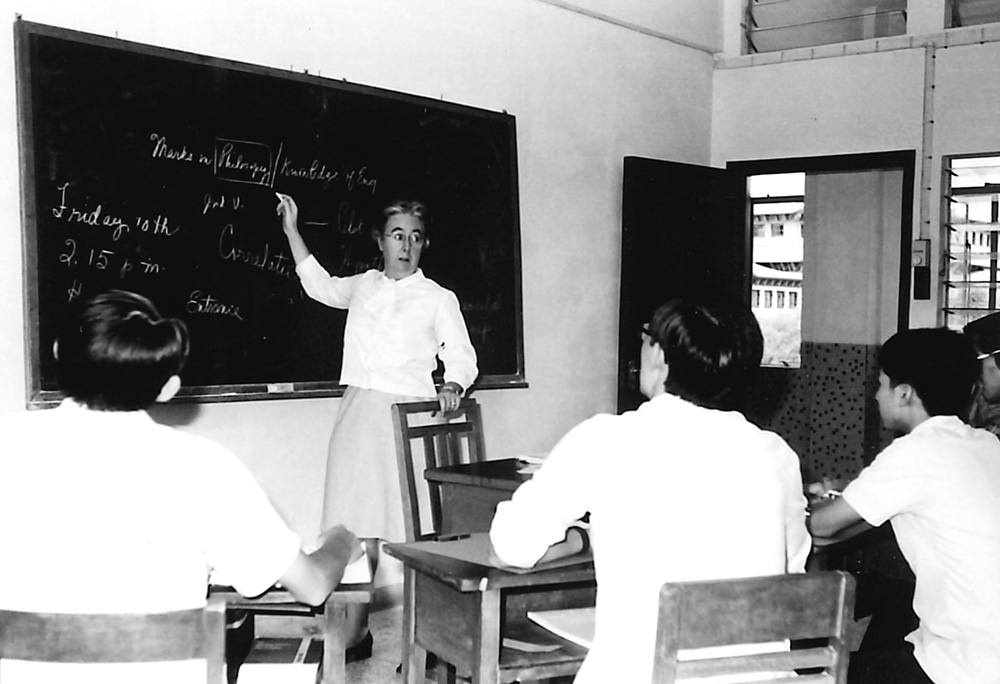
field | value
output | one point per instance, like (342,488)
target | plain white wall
(868,103)
(585,93)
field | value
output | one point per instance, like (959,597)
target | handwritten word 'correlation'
(230,250)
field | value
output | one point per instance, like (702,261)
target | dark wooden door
(684,234)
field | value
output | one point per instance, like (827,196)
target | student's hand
(341,541)
(576,541)
(288,211)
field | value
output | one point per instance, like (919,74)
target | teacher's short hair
(115,352)
(411,207)
(712,352)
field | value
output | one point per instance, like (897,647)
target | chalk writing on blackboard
(155,170)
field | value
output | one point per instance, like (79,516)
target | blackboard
(155,171)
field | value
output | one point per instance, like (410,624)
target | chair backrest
(454,438)
(198,633)
(812,609)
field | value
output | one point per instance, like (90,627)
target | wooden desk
(332,618)
(470,492)
(461,611)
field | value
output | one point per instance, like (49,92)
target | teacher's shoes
(361,650)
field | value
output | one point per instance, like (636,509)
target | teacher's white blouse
(396,329)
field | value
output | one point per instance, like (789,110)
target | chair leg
(334,645)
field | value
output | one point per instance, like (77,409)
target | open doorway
(687,231)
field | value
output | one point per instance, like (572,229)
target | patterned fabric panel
(826,409)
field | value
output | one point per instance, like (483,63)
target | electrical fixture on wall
(921,260)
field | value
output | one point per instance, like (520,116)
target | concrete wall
(810,103)
(585,92)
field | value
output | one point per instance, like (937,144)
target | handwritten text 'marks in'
(97,217)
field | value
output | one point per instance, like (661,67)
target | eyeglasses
(645,332)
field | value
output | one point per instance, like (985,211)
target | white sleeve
(542,508)
(246,540)
(454,346)
(798,542)
(333,291)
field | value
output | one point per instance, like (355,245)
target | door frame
(904,160)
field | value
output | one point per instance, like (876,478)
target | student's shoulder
(191,446)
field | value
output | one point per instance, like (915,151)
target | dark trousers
(897,666)
(884,657)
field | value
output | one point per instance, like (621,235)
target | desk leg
(334,649)
(413,657)
(486,665)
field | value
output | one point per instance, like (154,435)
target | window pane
(972,194)
(972,12)
(787,24)
(777,265)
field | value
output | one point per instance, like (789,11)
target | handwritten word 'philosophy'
(199,303)
(98,217)
(231,250)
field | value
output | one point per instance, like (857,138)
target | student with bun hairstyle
(104,510)
(682,488)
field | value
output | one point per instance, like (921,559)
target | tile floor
(385,623)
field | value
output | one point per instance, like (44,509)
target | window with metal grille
(773,25)
(971,12)
(971,209)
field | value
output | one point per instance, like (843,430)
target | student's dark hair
(940,364)
(712,352)
(115,352)
(411,207)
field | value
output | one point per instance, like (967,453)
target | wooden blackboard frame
(38,346)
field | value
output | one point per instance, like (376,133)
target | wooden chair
(816,607)
(331,617)
(459,439)
(119,638)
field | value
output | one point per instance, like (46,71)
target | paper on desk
(528,647)
(359,571)
(476,548)
(572,624)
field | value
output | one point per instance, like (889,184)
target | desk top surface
(498,474)
(465,575)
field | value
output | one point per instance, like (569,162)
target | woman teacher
(399,323)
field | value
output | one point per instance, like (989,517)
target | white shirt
(396,329)
(675,492)
(940,488)
(107,511)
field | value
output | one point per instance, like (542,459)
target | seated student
(682,488)
(938,486)
(104,510)
(985,335)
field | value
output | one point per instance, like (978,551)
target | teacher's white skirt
(362,479)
